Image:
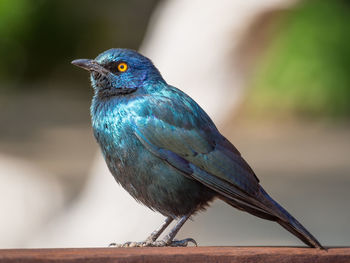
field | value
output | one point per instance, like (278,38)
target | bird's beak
(90,65)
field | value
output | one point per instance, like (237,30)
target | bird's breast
(113,132)
(146,177)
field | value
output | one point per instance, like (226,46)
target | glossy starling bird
(162,147)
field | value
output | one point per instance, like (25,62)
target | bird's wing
(180,132)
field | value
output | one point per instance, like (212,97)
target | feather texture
(162,147)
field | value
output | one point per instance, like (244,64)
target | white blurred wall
(193,44)
(29,198)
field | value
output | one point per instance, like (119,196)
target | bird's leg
(169,238)
(151,240)
(156,233)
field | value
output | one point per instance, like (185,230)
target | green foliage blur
(39,38)
(306,69)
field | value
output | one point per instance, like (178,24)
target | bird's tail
(287,221)
(269,209)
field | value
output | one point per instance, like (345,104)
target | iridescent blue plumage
(165,151)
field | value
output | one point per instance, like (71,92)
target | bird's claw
(157,243)
(183,242)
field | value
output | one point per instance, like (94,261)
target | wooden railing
(190,254)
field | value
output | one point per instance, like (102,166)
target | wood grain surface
(190,254)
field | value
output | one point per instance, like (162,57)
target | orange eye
(122,67)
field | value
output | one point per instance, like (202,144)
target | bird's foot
(160,243)
(129,244)
(183,242)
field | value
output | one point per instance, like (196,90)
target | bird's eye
(122,67)
(116,67)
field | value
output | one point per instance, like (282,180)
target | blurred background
(274,76)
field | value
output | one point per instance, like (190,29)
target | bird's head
(117,72)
